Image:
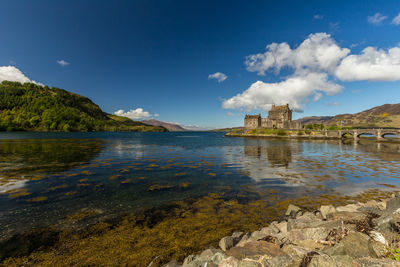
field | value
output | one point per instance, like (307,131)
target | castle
(279,117)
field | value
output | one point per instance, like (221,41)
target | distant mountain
(32,107)
(170,126)
(314,120)
(384,116)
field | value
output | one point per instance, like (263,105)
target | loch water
(46,177)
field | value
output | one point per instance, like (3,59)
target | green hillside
(31,107)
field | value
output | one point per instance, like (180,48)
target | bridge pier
(355,136)
(379,134)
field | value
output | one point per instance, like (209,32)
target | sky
(207,63)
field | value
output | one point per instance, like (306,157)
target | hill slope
(31,107)
(384,116)
(170,126)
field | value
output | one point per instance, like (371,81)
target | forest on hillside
(32,107)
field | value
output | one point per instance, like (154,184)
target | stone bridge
(379,133)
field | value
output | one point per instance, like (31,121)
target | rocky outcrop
(363,234)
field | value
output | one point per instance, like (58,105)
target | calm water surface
(44,177)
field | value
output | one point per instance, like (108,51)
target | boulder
(321,260)
(342,260)
(229,262)
(295,252)
(345,216)
(318,233)
(377,249)
(292,211)
(172,263)
(189,259)
(349,208)
(372,262)
(355,245)
(256,250)
(226,243)
(326,209)
(393,204)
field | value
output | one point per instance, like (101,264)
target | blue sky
(155,57)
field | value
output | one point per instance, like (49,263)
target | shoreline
(361,234)
(309,137)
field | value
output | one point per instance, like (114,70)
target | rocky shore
(363,234)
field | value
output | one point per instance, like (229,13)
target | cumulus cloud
(318,16)
(11,73)
(219,76)
(62,63)
(372,65)
(376,19)
(135,114)
(293,90)
(396,20)
(317,63)
(334,104)
(319,52)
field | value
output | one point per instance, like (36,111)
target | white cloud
(372,65)
(11,73)
(316,62)
(219,76)
(317,16)
(135,114)
(294,90)
(396,20)
(62,63)
(319,52)
(376,19)
(334,104)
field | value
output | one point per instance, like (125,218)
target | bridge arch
(344,133)
(397,134)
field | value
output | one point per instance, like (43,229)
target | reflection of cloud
(11,184)
(131,150)
(265,161)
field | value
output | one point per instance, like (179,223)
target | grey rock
(349,208)
(326,209)
(283,260)
(292,211)
(256,250)
(377,249)
(322,260)
(295,252)
(229,262)
(345,216)
(249,263)
(172,263)
(342,260)
(237,235)
(226,243)
(245,239)
(189,259)
(393,204)
(355,245)
(301,224)
(372,262)
(318,233)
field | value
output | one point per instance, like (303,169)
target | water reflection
(278,155)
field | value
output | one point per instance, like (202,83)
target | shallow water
(45,177)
